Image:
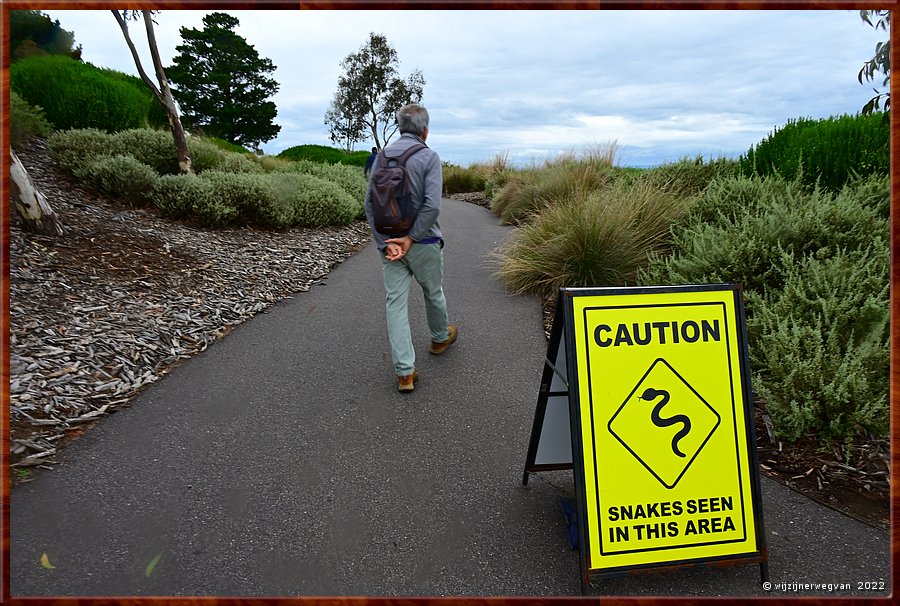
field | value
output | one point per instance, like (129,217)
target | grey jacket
(426,184)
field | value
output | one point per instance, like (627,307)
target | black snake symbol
(651,394)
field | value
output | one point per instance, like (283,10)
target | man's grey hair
(413,119)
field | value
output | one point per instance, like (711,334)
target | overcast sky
(661,85)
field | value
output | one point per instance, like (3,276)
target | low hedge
(139,166)
(74,94)
(827,152)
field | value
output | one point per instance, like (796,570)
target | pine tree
(221,84)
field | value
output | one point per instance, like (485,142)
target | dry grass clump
(590,238)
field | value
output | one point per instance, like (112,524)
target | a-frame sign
(646,394)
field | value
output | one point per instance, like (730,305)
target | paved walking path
(282,461)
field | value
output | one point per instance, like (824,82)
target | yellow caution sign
(660,424)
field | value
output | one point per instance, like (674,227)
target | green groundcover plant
(814,266)
(140,167)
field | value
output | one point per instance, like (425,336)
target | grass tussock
(528,192)
(494,173)
(590,238)
(462,180)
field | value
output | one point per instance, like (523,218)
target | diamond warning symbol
(664,423)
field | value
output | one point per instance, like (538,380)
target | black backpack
(392,207)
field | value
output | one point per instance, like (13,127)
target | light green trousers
(425,263)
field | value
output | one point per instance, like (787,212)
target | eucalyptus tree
(879,63)
(162,92)
(30,203)
(370,91)
(347,129)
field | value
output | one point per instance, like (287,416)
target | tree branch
(154,51)
(137,59)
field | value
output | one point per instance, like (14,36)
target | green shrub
(739,228)
(598,238)
(462,180)
(357,158)
(234,162)
(205,155)
(155,148)
(272,201)
(727,198)
(315,201)
(873,192)
(25,121)
(349,178)
(78,95)
(691,176)
(157,117)
(208,155)
(33,32)
(232,188)
(74,148)
(325,155)
(828,152)
(121,176)
(175,195)
(258,202)
(814,266)
(228,146)
(71,149)
(190,197)
(820,345)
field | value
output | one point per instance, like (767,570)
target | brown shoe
(407,383)
(439,348)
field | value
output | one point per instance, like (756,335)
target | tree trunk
(378,143)
(184,157)
(31,204)
(163,93)
(185,164)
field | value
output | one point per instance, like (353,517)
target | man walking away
(367,169)
(418,253)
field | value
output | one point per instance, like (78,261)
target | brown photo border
(5,476)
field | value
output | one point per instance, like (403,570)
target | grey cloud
(663,84)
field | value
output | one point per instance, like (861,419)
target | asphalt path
(282,461)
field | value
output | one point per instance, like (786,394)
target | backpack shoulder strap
(402,158)
(410,151)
